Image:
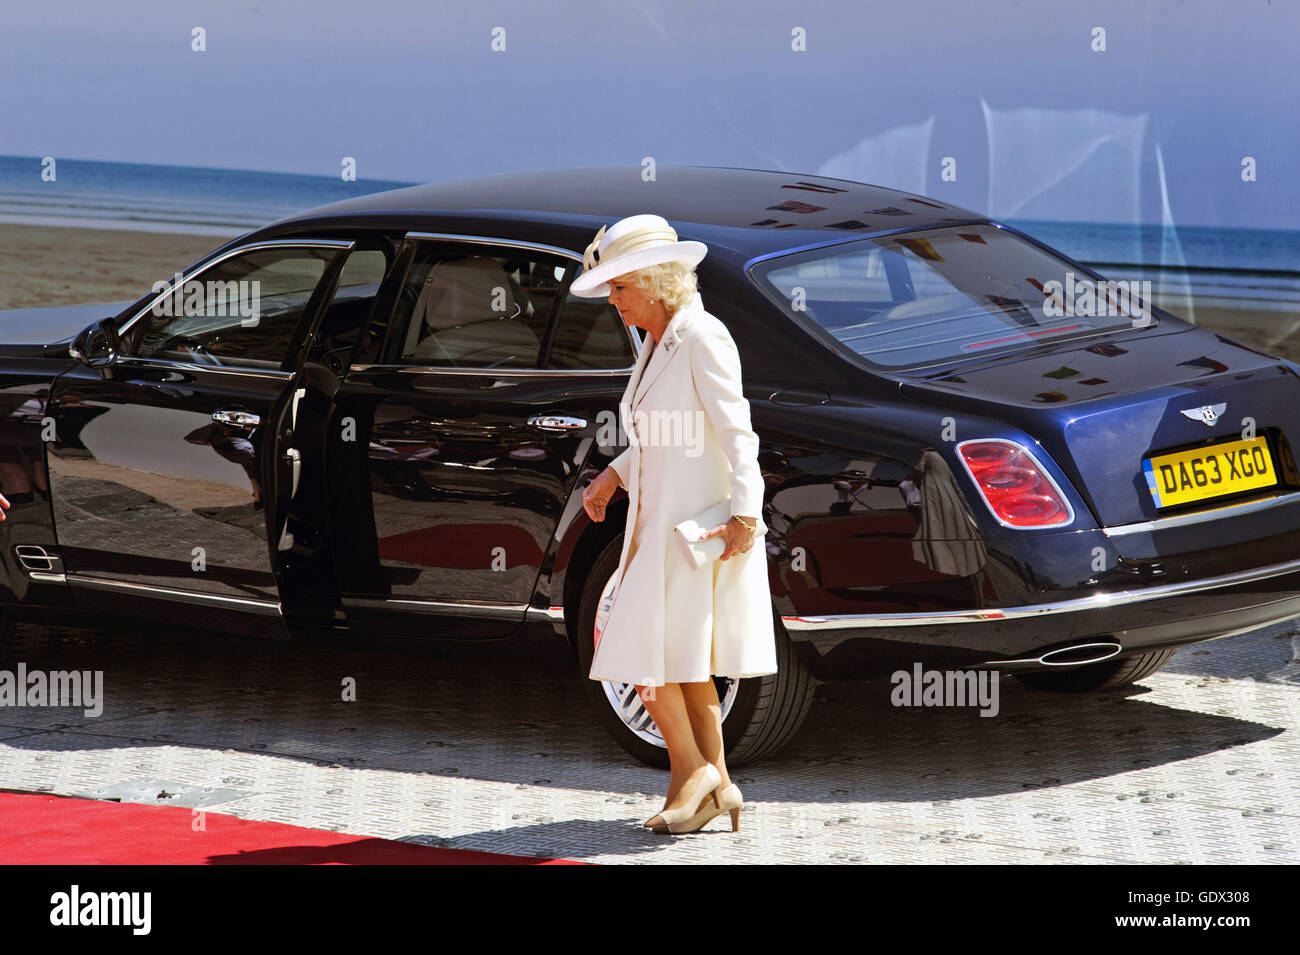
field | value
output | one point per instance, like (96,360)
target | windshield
(919,298)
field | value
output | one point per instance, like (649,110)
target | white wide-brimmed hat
(630,244)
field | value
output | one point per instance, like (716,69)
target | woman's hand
(597,494)
(4,503)
(738,537)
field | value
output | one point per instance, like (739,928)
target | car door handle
(557,422)
(239,419)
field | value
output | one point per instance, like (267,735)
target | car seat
(454,322)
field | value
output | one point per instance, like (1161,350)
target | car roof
(739,213)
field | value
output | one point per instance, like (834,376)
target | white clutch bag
(688,533)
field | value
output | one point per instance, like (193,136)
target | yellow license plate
(1203,473)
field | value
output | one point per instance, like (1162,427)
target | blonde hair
(673,283)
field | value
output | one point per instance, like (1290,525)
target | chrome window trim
(1041,470)
(845,621)
(512,244)
(488,240)
(228,254)
(273,608)
(196,366)
(496,372)
(1215,513)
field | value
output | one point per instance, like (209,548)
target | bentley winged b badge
(1206,414)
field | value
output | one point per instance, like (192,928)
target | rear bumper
(847,646)
(1076,605)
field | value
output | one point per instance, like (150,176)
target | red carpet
(41,829)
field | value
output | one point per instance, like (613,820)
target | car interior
(470,312)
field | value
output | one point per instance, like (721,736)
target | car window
(242,311)
(918,298)
(349,309)
(589,334)
(474,307)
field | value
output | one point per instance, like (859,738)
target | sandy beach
(55,265)
(1273,330)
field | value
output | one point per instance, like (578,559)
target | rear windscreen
(930,296)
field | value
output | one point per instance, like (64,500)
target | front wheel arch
(586,550)
(765,712)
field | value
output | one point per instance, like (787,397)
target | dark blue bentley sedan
(377,418)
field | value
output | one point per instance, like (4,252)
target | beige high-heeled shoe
(724,800)
(731,800)
(683,818)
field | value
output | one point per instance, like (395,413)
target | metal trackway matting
(493,747)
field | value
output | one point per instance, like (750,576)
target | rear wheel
(1098,676)
(759,714)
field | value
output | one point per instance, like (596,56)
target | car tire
(764,714)
(1098,676)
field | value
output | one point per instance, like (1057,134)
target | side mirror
(96,345)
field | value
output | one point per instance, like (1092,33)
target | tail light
(1017,490)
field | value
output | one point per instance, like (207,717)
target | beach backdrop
(111,229)
(1150,139)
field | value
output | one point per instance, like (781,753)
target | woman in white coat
(671,628)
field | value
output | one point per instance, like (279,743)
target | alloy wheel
(625,700)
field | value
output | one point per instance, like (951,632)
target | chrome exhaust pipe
(1080,653)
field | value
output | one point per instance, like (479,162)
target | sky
(1009,96)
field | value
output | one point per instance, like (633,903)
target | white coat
(690,446)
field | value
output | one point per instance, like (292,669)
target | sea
(190,199)
(1262,265)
